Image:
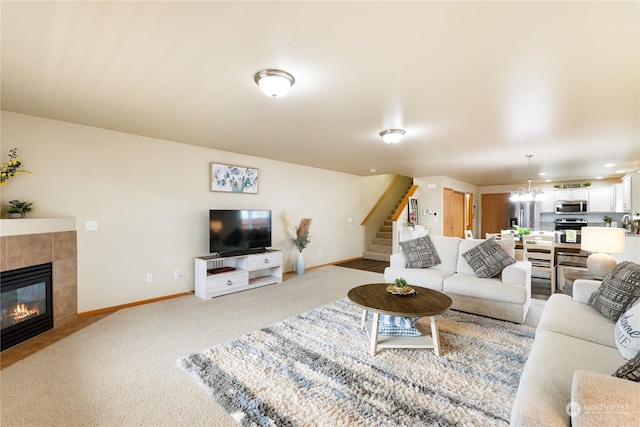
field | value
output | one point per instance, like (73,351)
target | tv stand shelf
(236,273)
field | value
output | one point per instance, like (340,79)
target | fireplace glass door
(23,304)
(26,304)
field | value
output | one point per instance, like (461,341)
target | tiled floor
(33,345)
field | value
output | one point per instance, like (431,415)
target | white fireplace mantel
(21,226)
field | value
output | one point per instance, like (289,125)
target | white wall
(431,198)
(151,199)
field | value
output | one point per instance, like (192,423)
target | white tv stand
(215,275)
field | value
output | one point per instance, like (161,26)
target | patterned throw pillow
(618,291)
(397,325)
(627,333)
(398,332)
(420,252)
(488,258)
(630,370)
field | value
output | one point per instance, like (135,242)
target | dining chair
(468,234)
(490,235)
(540,252)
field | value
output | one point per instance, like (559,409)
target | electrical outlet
(91,225)
(320,252)
(149,277)
(176,273)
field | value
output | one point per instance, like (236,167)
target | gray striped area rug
(315,370)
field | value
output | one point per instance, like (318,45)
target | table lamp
(602,241)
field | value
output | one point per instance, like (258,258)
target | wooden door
(447,216)
(458,214)
(470,212)
(453,215)
(496,211)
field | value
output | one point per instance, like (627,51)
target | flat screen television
(239,232)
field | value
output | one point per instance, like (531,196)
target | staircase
(381,246)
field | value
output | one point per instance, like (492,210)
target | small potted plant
(400,283)
(523,231)
(19,209)
(607,221)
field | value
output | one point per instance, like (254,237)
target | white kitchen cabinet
(548,202)
(631,193)
(572,194)
(617,196)
(626,193)
(600,199)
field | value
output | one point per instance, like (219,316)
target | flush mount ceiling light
(274,83)
(392,136)
(526,194)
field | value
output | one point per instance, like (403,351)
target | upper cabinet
(631,192)
(601,199)
(572,194)
(617,194)
(549,202)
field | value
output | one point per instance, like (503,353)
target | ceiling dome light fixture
(392,136)
(274,83)
(523,194)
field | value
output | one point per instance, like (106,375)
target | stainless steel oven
(571,207)
(568,230)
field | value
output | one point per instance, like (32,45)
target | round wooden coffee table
(425,303)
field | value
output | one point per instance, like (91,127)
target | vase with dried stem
(301,241)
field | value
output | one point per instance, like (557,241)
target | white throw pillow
(627,333)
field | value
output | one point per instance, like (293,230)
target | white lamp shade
(609,240)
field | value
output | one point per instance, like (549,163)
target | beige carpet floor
(121,370)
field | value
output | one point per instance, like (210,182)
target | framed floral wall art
(235,179)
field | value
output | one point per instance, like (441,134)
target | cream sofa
(506,297)
(571,362)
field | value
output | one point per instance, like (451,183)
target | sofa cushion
(619,290)
(565,316)
(420,252)
(627,333)
(487,259)
(426,277)
(630,370)
(487,289)
(509,246)
(447,248)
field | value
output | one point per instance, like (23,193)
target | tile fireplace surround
(27,242)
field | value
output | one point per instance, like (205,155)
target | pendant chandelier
(523,194)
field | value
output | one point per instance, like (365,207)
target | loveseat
(567,379)
(506,296)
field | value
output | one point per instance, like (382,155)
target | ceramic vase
(300,264)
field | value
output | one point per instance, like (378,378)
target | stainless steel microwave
(571,207)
